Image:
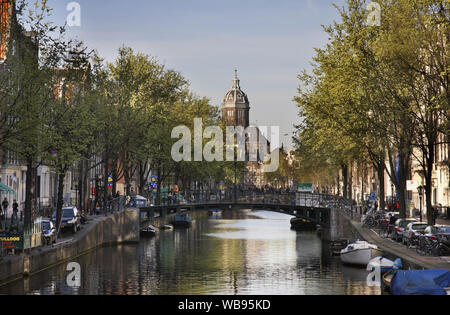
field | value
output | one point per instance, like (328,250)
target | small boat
(360,253)
(149,231)
(182,221)
(421,282)
(388,273)
(167,227)
(380,263)
(387,279)
(301,224)
(215,212)
(337,246)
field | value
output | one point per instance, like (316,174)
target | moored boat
(182,221)
(149,231)
(387,279)
(167,227)
(380,263)
(215,212)
(337,246)
(421,282)
(302,224)
(360,253)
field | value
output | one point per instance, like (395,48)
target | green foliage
(378,93)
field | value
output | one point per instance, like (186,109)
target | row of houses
(82,181)
(365,184)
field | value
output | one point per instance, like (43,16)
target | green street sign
(305,188)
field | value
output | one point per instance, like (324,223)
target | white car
(413,230)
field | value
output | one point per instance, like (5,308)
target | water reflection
(233,253)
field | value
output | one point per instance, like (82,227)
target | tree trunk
(105,182)
(60,202)
(429,184)
(380,174)
(86,181)
(80,186)
(158,189)
(401,184)
(338,184)
(28,195)
(344,168)
(142,179)
(350,184)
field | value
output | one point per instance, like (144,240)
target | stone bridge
(315,208)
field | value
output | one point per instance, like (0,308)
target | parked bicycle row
(420,236)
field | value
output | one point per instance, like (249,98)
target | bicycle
(386,228)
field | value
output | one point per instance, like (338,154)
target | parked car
(440,232)
(399,227)
(412,232)
(48,231)
(70,220)
(433,231)
(137,201)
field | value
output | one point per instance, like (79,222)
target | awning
(6,189)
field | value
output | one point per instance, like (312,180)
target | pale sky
(268,41)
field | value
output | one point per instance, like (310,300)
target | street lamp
(235,179)
(392,196)
(420,188)
(235,146)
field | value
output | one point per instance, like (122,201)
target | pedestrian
(170,196)
(5,205)
(435,214)
(15,211)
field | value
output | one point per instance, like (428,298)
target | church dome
(236,97)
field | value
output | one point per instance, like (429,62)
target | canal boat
(380,263)
(337,246)
(301,224)
(421,282)
(387,279)
(388,273)
(215,212)
(167,227)
(182,221)
(149,231)
(360,253)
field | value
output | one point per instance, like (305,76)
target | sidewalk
(401,251)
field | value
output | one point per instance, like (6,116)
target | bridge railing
(252,197)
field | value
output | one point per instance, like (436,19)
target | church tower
(235,106)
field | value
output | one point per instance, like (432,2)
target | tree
(71,124)
(28,89)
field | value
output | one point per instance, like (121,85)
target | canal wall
(339,228)
(351,228)
(119,228)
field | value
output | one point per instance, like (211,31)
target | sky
(269,42)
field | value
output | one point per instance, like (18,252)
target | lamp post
(392,196)
(235,179)
(420,188)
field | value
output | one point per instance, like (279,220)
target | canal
(239,252)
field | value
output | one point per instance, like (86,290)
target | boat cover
(420,282)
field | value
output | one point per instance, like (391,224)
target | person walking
(15,212)
(5,205)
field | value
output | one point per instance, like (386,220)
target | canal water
(237,252)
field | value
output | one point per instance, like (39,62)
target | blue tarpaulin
(420,282)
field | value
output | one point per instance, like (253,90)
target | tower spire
(236,80)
